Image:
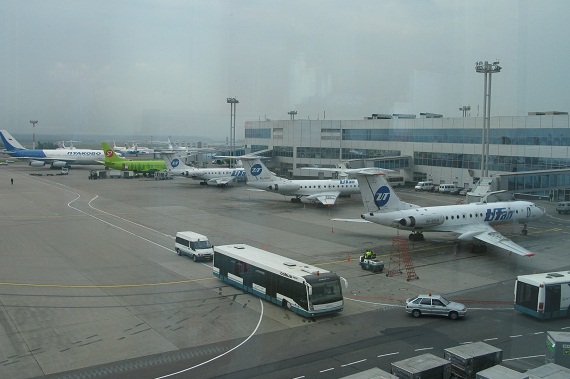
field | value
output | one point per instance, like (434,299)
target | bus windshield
(327,292)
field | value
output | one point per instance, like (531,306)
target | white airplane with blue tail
(212,176)
(473,222)
(56,158)
(326,191)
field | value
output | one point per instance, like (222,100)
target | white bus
(395,180)
(299,287)
(543,295)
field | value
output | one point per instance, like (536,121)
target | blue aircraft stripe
(28,153)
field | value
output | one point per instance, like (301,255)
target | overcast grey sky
(166,67)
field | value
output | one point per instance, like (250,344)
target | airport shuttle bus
(544,295)
(299,287)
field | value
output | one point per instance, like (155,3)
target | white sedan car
(434,305)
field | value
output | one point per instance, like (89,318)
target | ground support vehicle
(97,174)
(371,264)
(115,174)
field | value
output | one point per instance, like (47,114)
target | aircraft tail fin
(175,162)
(110,155)
(377,194)
(256,171)
(10,142)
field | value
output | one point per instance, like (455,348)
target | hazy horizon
(137,68)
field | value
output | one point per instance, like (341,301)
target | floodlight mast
(33,122)
(233,102)
(488,69)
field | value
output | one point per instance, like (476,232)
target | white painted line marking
(328,369)
(491,339)
(518,335)
(425,348)
(385,355)
(352,363)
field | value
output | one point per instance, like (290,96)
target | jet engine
(37,163)
(283,187)
(421,221)
(58,164)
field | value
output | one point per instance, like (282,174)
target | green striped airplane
(140,166)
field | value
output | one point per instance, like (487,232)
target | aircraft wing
(327,198)
(350,220)
(487,234)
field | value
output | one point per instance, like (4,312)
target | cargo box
(467,360)
(422,367)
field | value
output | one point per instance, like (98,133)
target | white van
(563,207)
(193,245)
(448,188)
(424,186)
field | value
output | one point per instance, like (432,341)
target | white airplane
(326,191)
(212,176)
(471,221)
(56,158)
(133,150)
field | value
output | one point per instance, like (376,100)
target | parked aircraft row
(472,222)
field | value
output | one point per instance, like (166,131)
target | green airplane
(140,166)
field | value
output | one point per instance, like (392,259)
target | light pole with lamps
(465,109)
(33,122)
(233,102)
(292,114)
(487,69)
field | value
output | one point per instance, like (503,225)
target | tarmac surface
(89,276)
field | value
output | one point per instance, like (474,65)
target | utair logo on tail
(382,196)
(256,169)
(175,162)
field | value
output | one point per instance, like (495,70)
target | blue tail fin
(10,142)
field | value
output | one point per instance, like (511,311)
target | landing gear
(524,231)
(296,200)
(203,183)
(416,236)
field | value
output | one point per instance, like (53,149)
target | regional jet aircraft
(326,191)
(212,176)
(471,221)
(119,163)
(56,158)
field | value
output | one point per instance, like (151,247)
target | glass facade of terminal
(444,149)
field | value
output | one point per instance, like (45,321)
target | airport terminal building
(530,153)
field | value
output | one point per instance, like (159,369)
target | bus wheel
(286,305)
(178,251)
